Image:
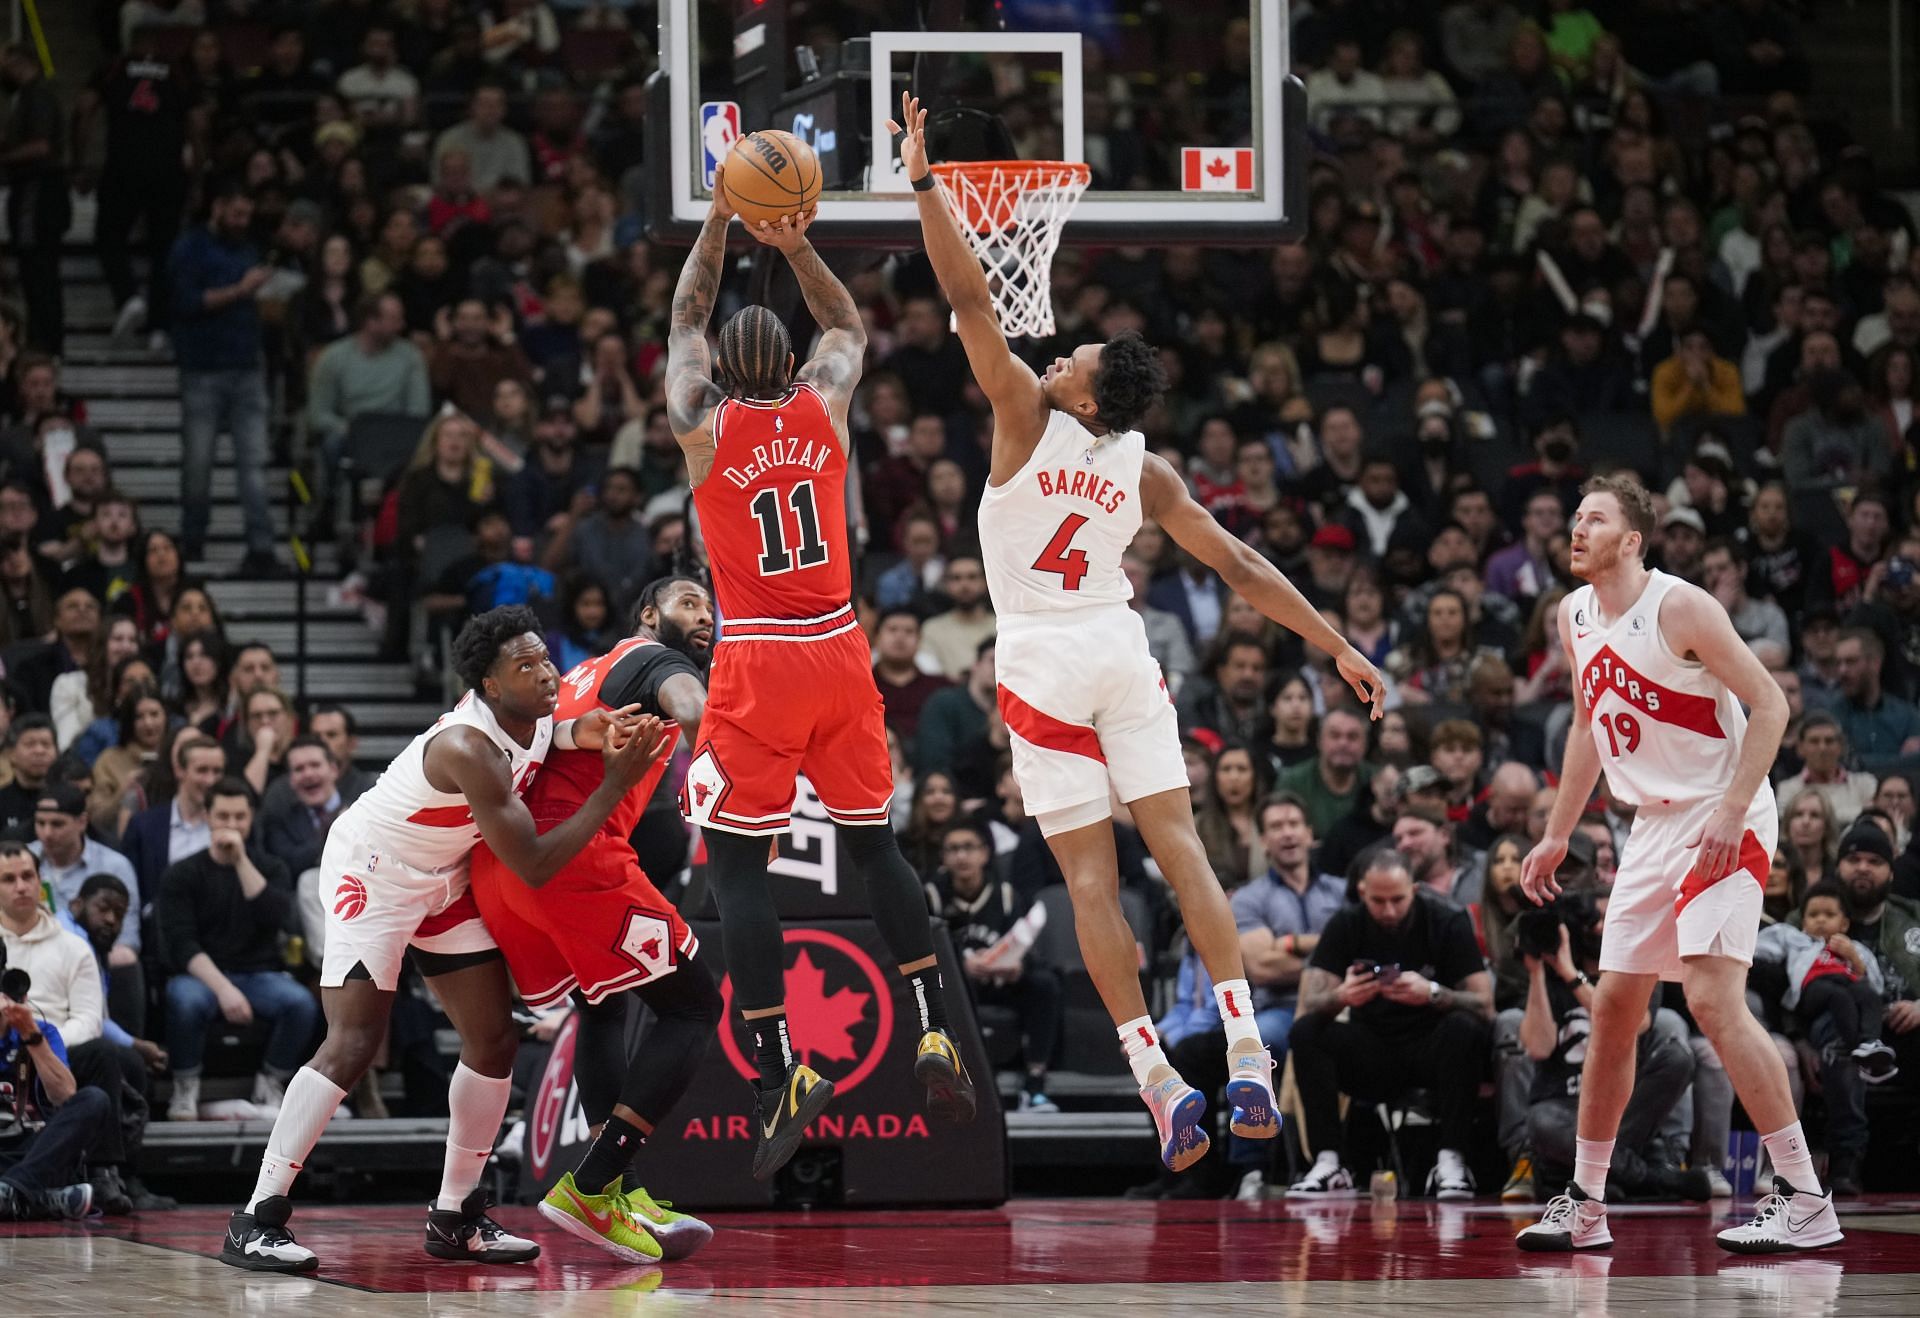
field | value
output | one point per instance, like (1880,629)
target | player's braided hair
(1129,382)
(477,648)
(754,354)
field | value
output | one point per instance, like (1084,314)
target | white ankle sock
(1787,1150)
(1591,1158)
(1142,1044)
(1235,1000)
(475,1105)
(305,1111)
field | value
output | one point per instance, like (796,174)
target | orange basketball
(771,175)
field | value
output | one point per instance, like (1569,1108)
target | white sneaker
(1253,1187)
(1326,1179)
(1256,1114)
(1786,1220)
(1877,1062)
(133,315)
(1719,1188)
(1450,1181)
(184,1105)
(1572,1222)
(1030,1102)
(269,1092)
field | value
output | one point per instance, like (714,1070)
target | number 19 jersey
(1052,536)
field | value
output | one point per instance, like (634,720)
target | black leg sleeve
(749,922)
(686,1008)
(894,894)
(600,1056)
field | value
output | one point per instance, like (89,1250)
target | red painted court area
(1156,1248)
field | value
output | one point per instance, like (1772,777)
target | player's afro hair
(1129,382)
(477,648)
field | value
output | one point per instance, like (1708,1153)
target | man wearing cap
(1329,565)
(1888,927)
(1823,750)
(1683,539)
(68,856)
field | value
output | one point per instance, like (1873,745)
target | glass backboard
(1184,109)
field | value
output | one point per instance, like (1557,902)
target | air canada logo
(839,1010)
(547,1116)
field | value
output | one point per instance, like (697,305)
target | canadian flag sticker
(1216,169)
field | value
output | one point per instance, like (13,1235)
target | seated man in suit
(294,823)
(169,831)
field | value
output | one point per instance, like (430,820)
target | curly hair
(755,354)
(477,648)
(1129,382)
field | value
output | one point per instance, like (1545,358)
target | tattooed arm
(834,368)
(691,392)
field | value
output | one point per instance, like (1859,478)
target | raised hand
(1360,674)
(788,235)
(913,146)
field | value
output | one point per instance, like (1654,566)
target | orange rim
(994,186)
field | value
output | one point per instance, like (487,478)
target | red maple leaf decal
(822,1022)
(1218,168)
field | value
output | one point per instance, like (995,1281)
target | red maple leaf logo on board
(822,1022)
(1218,168)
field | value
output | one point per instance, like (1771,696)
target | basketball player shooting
(1657,707)
(1088,711)
(791,688)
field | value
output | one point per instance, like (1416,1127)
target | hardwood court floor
(1088,1257)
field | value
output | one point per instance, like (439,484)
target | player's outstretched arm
(1164,499)
(1007,381)
(834,369)
(691,393)
(1693,624)
(684,700)
(1579,772)
(469,760)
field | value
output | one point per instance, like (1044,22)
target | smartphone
(1387,974)
(1362,968)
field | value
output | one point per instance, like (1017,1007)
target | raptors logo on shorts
(349,898)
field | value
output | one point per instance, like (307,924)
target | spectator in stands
(1344,88)
(1370,821)
(1837,442)
(172,828)
(1280,914)
(584,630)
(1424,835)
(1227,824)
(376,369)
(1231,700)
(950,640)
(909,583)
(271,728)
(981,910)
(1408,969)
(146,109)
(59,535)
(1587,375)
(474,351)
(1475,37)
(215,272)
(205,670)
(1457,750)
(1683,542)
(31,751)
(294,823)
(1823,750)
(383,97)
(1723,570)
(905,687)
(1837,579)
(555,488)
(39,207)
(1290,715)
(1873,722)
(222,909)
(254,669)
(76,630)
(67,856)
(334,724)
(77,698)
(104,565)
(1166,638)
(955,719)
(1695,382)
(1332,781)
(936,807)
(1503,810)
(926,358)
(140,722)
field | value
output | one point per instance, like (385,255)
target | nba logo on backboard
(719,130)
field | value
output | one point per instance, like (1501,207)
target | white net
(1012,212)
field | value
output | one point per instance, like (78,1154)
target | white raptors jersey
(423,827)
(1668,732)
(1052,536)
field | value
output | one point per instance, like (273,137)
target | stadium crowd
(1544,241)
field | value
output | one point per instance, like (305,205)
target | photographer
(1404,967)
(1554,1030)
(48,1124)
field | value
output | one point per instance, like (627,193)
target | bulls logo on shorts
(349,898)
(704,790)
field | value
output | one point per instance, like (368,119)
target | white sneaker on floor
(1784,1221)
(1326,1179)
(1253,1188)
(1450,1181)
(184,1105)
(1572,1222)
(132,317)
(268,1091)
(1720,1187)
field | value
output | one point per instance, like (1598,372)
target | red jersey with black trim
(628,674)
(773,510)
(1667,730)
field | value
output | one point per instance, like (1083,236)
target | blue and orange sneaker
(1256,1115)
(1178,1110)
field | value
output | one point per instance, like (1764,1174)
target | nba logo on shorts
(719,130)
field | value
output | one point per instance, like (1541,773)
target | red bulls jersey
(773,512)
(570,777)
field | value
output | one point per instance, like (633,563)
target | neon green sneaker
(605,1220)
(680,1234)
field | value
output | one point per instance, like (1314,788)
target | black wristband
(32,1040)
(924,183)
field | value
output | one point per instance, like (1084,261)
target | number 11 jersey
(1052,536)
(1668,731)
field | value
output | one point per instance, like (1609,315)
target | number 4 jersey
(1667,730)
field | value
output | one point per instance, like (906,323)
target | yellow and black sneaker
(938,1067)
(783,1116)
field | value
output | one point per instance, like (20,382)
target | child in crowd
(1828,974)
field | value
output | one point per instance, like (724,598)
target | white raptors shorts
(1659,912)
(1086,706)
(376,905)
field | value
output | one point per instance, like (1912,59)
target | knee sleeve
(749,920)
(689,994)
(600,1055)
(895,898)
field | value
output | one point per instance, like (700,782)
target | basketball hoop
(1012,212)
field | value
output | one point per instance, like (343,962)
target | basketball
(771,175)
